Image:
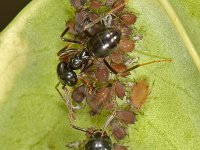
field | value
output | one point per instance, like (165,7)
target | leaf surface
(32,116)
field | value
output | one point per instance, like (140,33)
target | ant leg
(109,67)
(68,103)
(64,52)
(134,67)
(81,129)
(68,40)
(86,66)
(151,62)
(56,87)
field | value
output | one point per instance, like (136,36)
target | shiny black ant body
(97,140)
(98,46)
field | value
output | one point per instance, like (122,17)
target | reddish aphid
(102,72)
(126,31)
(119,147)
(126,116)
(139,93)
(127,45)
(119,67)
(116,57)
(77,3)
(99,98)
(119,89)
(118,131)
(78,95)
(95,4)
(128,18)
(117,3)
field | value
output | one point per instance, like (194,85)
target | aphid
(116,57)
(119,147)
(102,72)
(117,3)
(126,45)
(139,93)
(118,131)
(77,3)
(95,4)
(128,117)
(79,94)
(99,98)
(119,89)
(128,18)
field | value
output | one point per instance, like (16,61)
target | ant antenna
(82,129)
(100,18)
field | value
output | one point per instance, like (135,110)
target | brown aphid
(118,131)
(116,57)
(119,89)
(99,98)
(78,94)
(125,30)
(126,45)
(117,3)
(102,72)
(119,67)
(128,18)
(77,3)
(95,4)
(139,93)
(126,116)
(80,20)
(93,16)
(109,106)
(119,147)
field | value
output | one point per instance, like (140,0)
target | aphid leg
(68,103)
(68,40)
(151,62)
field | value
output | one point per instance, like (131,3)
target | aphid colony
(98,50)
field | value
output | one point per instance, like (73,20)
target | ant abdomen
(104,43)
(66,75)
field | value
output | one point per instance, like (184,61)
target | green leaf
(32,116)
